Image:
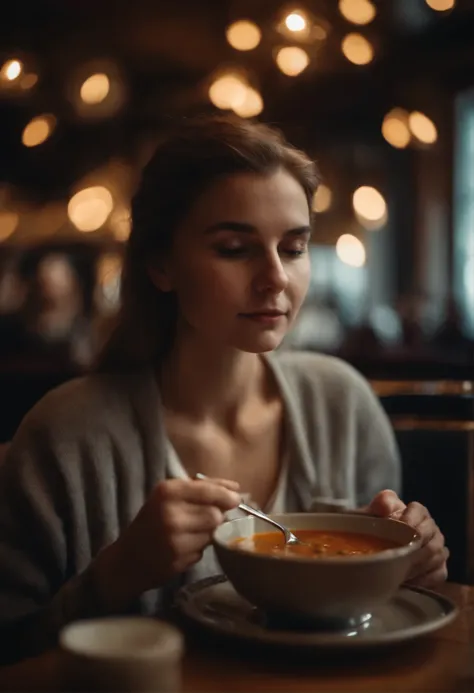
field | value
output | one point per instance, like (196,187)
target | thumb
(386,504)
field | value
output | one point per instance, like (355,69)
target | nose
(271,276)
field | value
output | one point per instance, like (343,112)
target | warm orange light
(11,70)
(441,5)
(357,49)
(350,250)
(369,204)
(292,60)
(243,35)
(322,199)
(89,208)
(38,130)
(422,128)
(357,11)
(296,21)
(8,224)
(251,106)
(228,92)
(395,128)
(95,89)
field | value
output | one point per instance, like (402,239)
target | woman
(99,510)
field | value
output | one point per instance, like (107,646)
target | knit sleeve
(36,596)
(378,464)
(347,447)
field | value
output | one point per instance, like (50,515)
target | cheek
(203,289)
(299,276)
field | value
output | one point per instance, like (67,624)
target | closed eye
(235,252)
(296,253)
(243,251)
(295,247)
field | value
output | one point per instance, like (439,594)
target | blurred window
(464,209)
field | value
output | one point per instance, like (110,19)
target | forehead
(274,201)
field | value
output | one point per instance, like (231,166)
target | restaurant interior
(379,92)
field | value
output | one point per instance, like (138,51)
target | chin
(264,343)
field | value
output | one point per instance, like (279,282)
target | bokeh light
(357,49)
(369,204)
(322,199)
(395,128)
(90,208)
(422,127)
(8,224)
(296,21)
(357,11)
(38,130)
(251,106)
(228,91)
(11,70)
(243,35)
(350,250)
(292,60)
(441,5)
(95,89)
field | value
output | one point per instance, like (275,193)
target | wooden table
(434,663)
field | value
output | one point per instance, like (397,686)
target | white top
(278,503)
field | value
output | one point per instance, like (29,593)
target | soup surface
(318,544)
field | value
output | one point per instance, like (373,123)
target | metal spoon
(290,538)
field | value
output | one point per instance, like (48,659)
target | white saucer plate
(411,613)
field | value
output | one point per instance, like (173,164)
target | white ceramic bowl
(334,591)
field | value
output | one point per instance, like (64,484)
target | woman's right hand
(167,537)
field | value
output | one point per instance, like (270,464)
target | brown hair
(200,151)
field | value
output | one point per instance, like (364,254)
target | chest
(252,455)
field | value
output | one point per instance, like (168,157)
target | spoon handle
(262,516)
(256,513)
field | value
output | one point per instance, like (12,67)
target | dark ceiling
(167,51)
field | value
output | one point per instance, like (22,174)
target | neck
(206,383)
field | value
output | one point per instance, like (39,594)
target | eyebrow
(242,227)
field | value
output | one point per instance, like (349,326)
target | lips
(268,319)
(265,314)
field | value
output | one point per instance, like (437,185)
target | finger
(432,548)
(430,557)
(415,514)
(210,493)
(432,579)
(431,563)
(198,492)
(185,544)
(205,518)
(226,483)
(187,517)
(428,530)
(386,504)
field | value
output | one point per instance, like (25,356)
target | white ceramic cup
(121,654)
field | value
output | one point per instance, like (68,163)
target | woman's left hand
(430,568)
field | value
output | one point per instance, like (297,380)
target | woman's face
(239,263)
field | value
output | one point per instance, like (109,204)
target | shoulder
(81,406)
(77,398)
(318,383)
(325,374)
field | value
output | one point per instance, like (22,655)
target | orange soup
(317,544)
